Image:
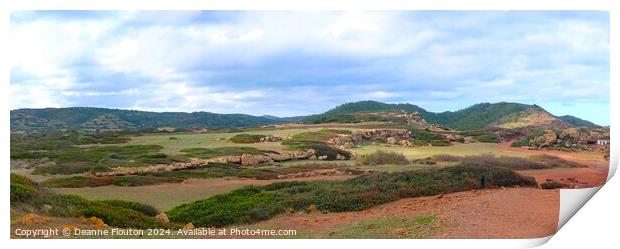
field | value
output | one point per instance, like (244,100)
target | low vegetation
(552,185)
(77,182)
(30,197)
(388,228)
(252,203)
(422,137)
(487,138)
(317,140)
(246,138)
(206,153)
(212,170)
(525,140)
(74,160)
(319,136)
(514,163)
(383,157)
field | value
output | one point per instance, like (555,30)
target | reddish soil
(594,175)
(491,213)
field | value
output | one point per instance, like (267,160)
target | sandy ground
(594,175)
(490,213)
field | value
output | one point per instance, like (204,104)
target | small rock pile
(270,138)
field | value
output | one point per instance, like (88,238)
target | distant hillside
(484,115)
(92,119)
(479,116)
(373,106)
(576,121)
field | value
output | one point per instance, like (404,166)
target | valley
(360,170)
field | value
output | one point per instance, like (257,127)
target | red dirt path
(490,213)
(594,175)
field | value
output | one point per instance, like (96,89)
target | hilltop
(479,116)
(103,119)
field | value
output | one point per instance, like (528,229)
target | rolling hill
(577,121)
(479,116)
(91,119)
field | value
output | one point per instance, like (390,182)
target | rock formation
(390,136)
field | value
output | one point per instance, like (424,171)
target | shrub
(75,160)
(246,138)
(206,153)
(30,196)
(143,208)
(383,157)
(552,185)
(140,180)
(77,182)
(425,161)
(23,189)
(426,136)
(487,138)
(440,143)
(514,163)
(252,203)
(321,135)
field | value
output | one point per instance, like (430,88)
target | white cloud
(305,62)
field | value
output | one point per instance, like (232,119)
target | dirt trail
(492,213)
(594,175)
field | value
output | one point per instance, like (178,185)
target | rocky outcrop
(121,171)
(570,139)
(244,160)
(390,136)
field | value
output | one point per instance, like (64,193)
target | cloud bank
(298,63)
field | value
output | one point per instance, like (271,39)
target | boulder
(392,140)
(405,143)
(163,218)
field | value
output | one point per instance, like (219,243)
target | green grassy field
(456,150)
(166,196)
(211,140)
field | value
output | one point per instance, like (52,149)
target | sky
(298,63)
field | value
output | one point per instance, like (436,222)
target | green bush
(23,189)
(206,153)
(76,160)
(319,136)
(77,182)
(246,138)
(440,143)
(514,163)
(142,208)
(140,180)
(383,157)
(552,185)
(28,196)
(487,138)
(251,204)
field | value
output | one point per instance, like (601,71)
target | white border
(294,5)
